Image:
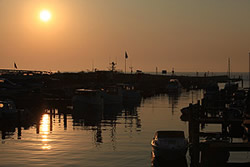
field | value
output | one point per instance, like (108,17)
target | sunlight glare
(45,15)
(46,147)
(45,123)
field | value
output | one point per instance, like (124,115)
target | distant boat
(86,100)
(7,109)
(231,87)
(169,145)
(20,93)
(112,95)
(174,85)
(129,94)
(9,89)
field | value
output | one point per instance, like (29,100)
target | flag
(15,65)
(126,55)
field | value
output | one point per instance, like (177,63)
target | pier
(216,151)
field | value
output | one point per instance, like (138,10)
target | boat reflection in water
(161,162)
(8,129)
(108,119)
(173,100)
(90,121)
(55,116)
(19,119)
(88,108)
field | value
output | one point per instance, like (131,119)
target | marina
(124,83)
(84,111)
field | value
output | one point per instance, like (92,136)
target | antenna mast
(229,70)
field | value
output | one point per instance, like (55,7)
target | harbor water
(120,138)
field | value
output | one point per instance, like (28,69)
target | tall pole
(92,65)
(249,72)
(126,56)
(229,70)
(125,65)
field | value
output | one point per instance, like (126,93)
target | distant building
(139,72)
(164,72)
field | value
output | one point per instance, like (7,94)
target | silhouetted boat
(7,109)
(231,86)
(87,100)
(173,86)
(169,145)
(10,90)
(112,95)
(130,96)
(212,91)
(22,94)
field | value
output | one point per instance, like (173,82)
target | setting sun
(45,15)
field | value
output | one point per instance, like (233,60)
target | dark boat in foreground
(169,145)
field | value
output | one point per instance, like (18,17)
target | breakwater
(64,84)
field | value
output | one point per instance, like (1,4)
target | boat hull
(169,153)
(86,104)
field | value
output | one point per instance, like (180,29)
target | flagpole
(125,65)
(126,56)
(249,71)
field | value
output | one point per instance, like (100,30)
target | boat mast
(229,71)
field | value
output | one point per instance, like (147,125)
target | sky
(189,36)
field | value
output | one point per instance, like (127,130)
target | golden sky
(191,35)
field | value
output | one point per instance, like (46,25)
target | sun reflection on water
(44,131)
(46,147)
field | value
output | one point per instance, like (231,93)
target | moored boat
(87,100)
(112,95)
(169,145)
(130,95)
(173,86)
(7,109)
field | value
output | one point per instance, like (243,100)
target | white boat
(86,100)
(169,145)
(7,109)
(173,86)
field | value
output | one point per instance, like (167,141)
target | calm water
(118,137)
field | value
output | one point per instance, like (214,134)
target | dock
(204,153)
